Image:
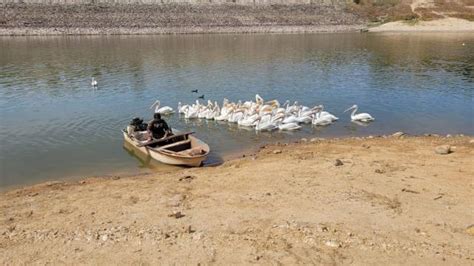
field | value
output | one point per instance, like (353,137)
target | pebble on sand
(277,151)
(338,162)
(332,243)
(443,149)
(470,230)
(398,134)
(176,215)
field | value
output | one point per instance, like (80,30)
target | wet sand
(352,201)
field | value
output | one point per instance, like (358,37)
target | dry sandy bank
(392,201)
(440,25)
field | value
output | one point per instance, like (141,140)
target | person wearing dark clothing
(158,128)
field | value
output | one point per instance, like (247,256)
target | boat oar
(151,142)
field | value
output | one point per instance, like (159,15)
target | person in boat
(158,128)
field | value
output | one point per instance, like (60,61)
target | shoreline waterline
(180,30)
(153,167)
(388,28)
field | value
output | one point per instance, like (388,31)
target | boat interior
(178,144)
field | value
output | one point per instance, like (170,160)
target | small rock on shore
(443,149)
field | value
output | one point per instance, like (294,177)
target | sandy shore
(387,201)
(439,25)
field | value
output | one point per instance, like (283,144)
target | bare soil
(30,19)
(363,201)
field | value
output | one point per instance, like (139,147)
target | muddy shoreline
(373,200)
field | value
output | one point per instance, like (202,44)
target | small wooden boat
(178,149)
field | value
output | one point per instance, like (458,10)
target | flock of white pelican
(261,115)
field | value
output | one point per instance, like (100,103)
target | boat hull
(172,159)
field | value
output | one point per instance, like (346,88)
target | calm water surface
(53,125)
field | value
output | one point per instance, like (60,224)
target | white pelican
(165,110)
(265,109)
(321,120)
(283,108)
(289,127)
(213,113)
(226,111)
(93,82)
(258,99)
(327,114)
(286,127)
(248,121)
(236,116)
(191,112)
(308,112)
(182,108)
(295,108)
(203,112)
(305,117)
(362,117)
(291,118)
(268,125)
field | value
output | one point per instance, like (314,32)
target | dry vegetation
(394,10)
(383,11)
(459,9)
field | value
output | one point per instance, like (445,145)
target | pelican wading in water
(93,82)
(362,117)
(320,119)
(285,126)
(263,115)
(165,110)
(182,108)
(267,125)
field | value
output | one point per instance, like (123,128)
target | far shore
(178,30)
(445,25)
(394,199)
(103,19)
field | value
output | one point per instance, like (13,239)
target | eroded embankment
(22,19)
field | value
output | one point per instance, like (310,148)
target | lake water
(53,125)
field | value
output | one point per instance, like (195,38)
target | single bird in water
(194,91)
(165,110)
(201,97)
(93,82)
(362,117)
